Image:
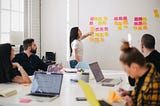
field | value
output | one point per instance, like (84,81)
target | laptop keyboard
(43,95)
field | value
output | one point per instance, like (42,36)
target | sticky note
(145,27)
(156,15)
(125,18)
(106,28)
(91,18)
(101,28)
(101,39)
(120,18)
(91,39)
(140,23)
(136,23)
(25,100)
(25,84)
(155,11)
(144,18)
(99,19)
(105,18)
(96,34)
(115,23)
(119,27)
(135,27)
(113,97)
(119,23)
(97,29)
(140,28)
(100,23)
(125,26)
(115,18)
(144,23)
(125,22)
(106,33)
(90,23)
(104,22)
(140,18)
(92,29)
(96,40)
(95,18)
(136,19)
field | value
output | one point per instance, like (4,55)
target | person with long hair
(11,72)
(76,46)
(147,89)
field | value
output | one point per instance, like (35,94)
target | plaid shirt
(149,94)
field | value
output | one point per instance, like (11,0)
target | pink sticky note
(106,28)
(140,23)
(91,23)
(125,18)
(91,18)
(97,29)
(115,18)
(25,100)
(135,23)
(140,18)
(120,18)
(101,29)
(136,19)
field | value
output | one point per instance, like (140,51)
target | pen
(73,80)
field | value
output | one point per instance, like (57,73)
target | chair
(82,65)
(50,58)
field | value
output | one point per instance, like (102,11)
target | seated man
(28,59)
(151,55)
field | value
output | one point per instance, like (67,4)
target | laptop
(96,70)
(46,84)
(90,96)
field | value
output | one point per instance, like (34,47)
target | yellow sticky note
(105,18)
(92,29)
(91,39)
(101,34)
(89,93)
(101,39)
(100,22)
(99,19)
(144,18)
(95,18)
(106,33)
(96,34)
(125,26)
(115,23)
(119,27)
(113,97)
(156,15)
(119,23)
(135,27)
(104,22)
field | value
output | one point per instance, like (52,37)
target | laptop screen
(96,71)
(47,83)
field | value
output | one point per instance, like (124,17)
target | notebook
(90,96)
(97,72)
(46,84)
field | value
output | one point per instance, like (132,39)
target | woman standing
(11,72)
(76,46)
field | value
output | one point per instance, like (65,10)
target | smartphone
(81,99)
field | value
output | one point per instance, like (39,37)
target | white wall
(54,21)
(53,28)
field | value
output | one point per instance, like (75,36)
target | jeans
(73,63)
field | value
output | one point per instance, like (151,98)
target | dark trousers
(73,63)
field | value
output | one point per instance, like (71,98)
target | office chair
(82,65)
(50,57)
(21,49)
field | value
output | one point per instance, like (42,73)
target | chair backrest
(51,56)
(82,65)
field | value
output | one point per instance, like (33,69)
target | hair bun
(125,46)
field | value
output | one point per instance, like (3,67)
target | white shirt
(77,44)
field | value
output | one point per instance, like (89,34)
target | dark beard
(34,51)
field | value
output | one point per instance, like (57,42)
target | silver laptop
(96,70)
(46,85)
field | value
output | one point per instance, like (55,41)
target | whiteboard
(107,53)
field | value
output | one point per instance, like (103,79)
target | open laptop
(90,96)
(96,70)
(46,85)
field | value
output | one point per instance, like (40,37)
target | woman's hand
(16,65)
(128,100)
(123,92)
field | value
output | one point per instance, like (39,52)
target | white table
(68,94)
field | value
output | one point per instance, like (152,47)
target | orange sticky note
(140,28)
(155,11)
(115,23)
(144,23)
(96,40)
(113,97)
(91,39)
(25,84)
(101,39)
(145,27)
(125,22)
(95,18)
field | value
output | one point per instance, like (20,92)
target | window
(11,18)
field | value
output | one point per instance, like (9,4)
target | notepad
(6,92)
